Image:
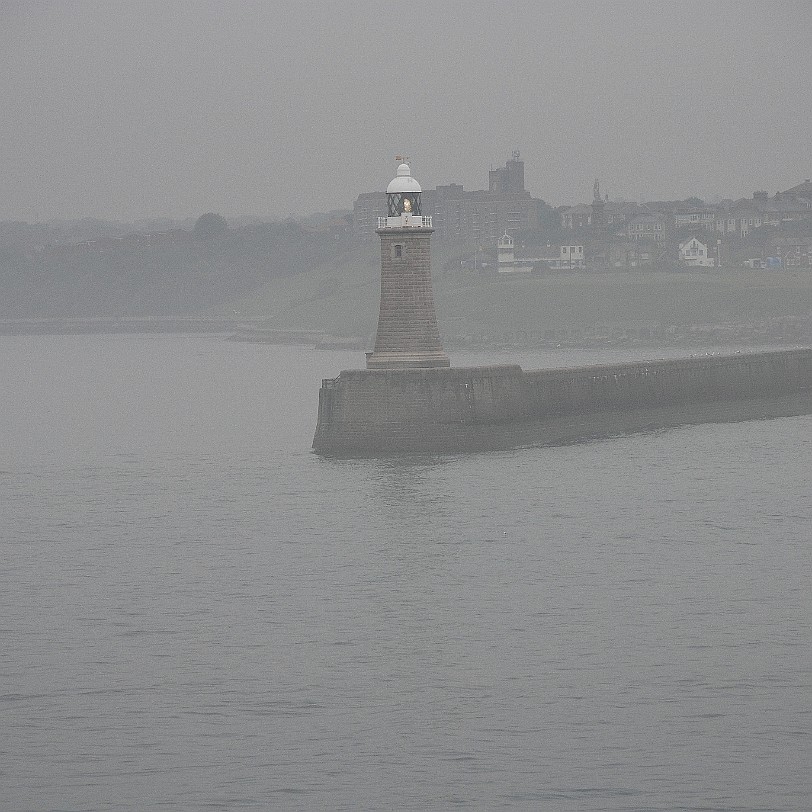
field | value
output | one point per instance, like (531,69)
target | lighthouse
(407,335)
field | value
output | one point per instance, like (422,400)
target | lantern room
(403,194)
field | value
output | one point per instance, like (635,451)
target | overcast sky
(123,110)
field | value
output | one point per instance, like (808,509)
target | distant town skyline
(148,109)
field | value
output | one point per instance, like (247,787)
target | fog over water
(198,612)
(145,109)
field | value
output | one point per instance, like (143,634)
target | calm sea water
(196,612)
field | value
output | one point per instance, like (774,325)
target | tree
(210,225)
(549,218)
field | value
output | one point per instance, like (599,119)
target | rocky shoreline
(776,332)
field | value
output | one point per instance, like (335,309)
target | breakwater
(480,408)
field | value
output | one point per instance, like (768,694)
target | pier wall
(668,383)
(417,409)
(466,408)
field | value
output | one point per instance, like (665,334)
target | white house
(695,253)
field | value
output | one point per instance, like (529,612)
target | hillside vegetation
(342,298)
(292,278)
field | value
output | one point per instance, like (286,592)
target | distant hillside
(296,278)
(341,298)
(170,273)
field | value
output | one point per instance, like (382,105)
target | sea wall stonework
(468,408)
(667,383)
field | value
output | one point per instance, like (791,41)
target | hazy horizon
(149,110)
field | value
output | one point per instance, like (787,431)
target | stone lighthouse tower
(407,335)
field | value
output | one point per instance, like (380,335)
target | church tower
(407,335)
(599,232)
(598,206)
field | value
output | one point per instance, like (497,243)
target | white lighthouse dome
(404,182)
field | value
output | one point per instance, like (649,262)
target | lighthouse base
(403,360)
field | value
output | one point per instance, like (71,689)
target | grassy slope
(342,299)
(626,299)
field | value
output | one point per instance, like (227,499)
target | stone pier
(368,412)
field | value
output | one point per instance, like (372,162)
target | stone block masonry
(668,383)
(407,335)
(367,412)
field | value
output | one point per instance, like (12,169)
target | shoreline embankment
(788,332)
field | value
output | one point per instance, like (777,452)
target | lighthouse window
(398,252)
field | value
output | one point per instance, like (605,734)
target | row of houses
(612,233)
(730,233)
(781,252)
(659,220)
(690,253)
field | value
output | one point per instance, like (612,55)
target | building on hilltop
(575,217)
(366,210)
(649,234)
(615,234)
(508,179)
(803,190)
(615,214)
(739,218)
(649,226)
(792,252)
(695,217)
(478,216)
